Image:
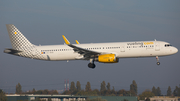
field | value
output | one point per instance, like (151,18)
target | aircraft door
(122,48)
(157,46)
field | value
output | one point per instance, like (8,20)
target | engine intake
(108,58)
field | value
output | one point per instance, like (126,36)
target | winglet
(65,39)
(77,42)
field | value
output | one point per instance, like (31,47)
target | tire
(158,63)
(91,65)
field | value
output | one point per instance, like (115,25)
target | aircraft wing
(82,51)
(86,53)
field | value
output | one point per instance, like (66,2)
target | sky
(43,22)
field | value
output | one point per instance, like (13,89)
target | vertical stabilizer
(18,40)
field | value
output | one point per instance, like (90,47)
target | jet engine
(108,58)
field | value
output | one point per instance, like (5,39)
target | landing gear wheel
(91,65)
(158,63)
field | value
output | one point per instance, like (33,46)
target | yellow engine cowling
(108,58)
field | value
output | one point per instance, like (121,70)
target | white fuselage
(101,52)
(120,49)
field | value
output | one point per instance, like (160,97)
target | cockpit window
(167,45)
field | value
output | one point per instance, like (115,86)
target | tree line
(75,89)
(33,91)
(105,90)
(157,92)
(2,96)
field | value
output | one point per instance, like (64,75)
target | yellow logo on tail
(15,32)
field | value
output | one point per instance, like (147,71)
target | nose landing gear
(158,63)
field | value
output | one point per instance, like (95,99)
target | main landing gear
(158,63)
(91,64)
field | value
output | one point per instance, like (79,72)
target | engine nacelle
(108,58)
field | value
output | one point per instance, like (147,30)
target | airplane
(94,52)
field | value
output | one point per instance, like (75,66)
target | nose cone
(176,50)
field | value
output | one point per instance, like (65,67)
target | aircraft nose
(176,50)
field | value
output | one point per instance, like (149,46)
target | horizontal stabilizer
(11,51)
